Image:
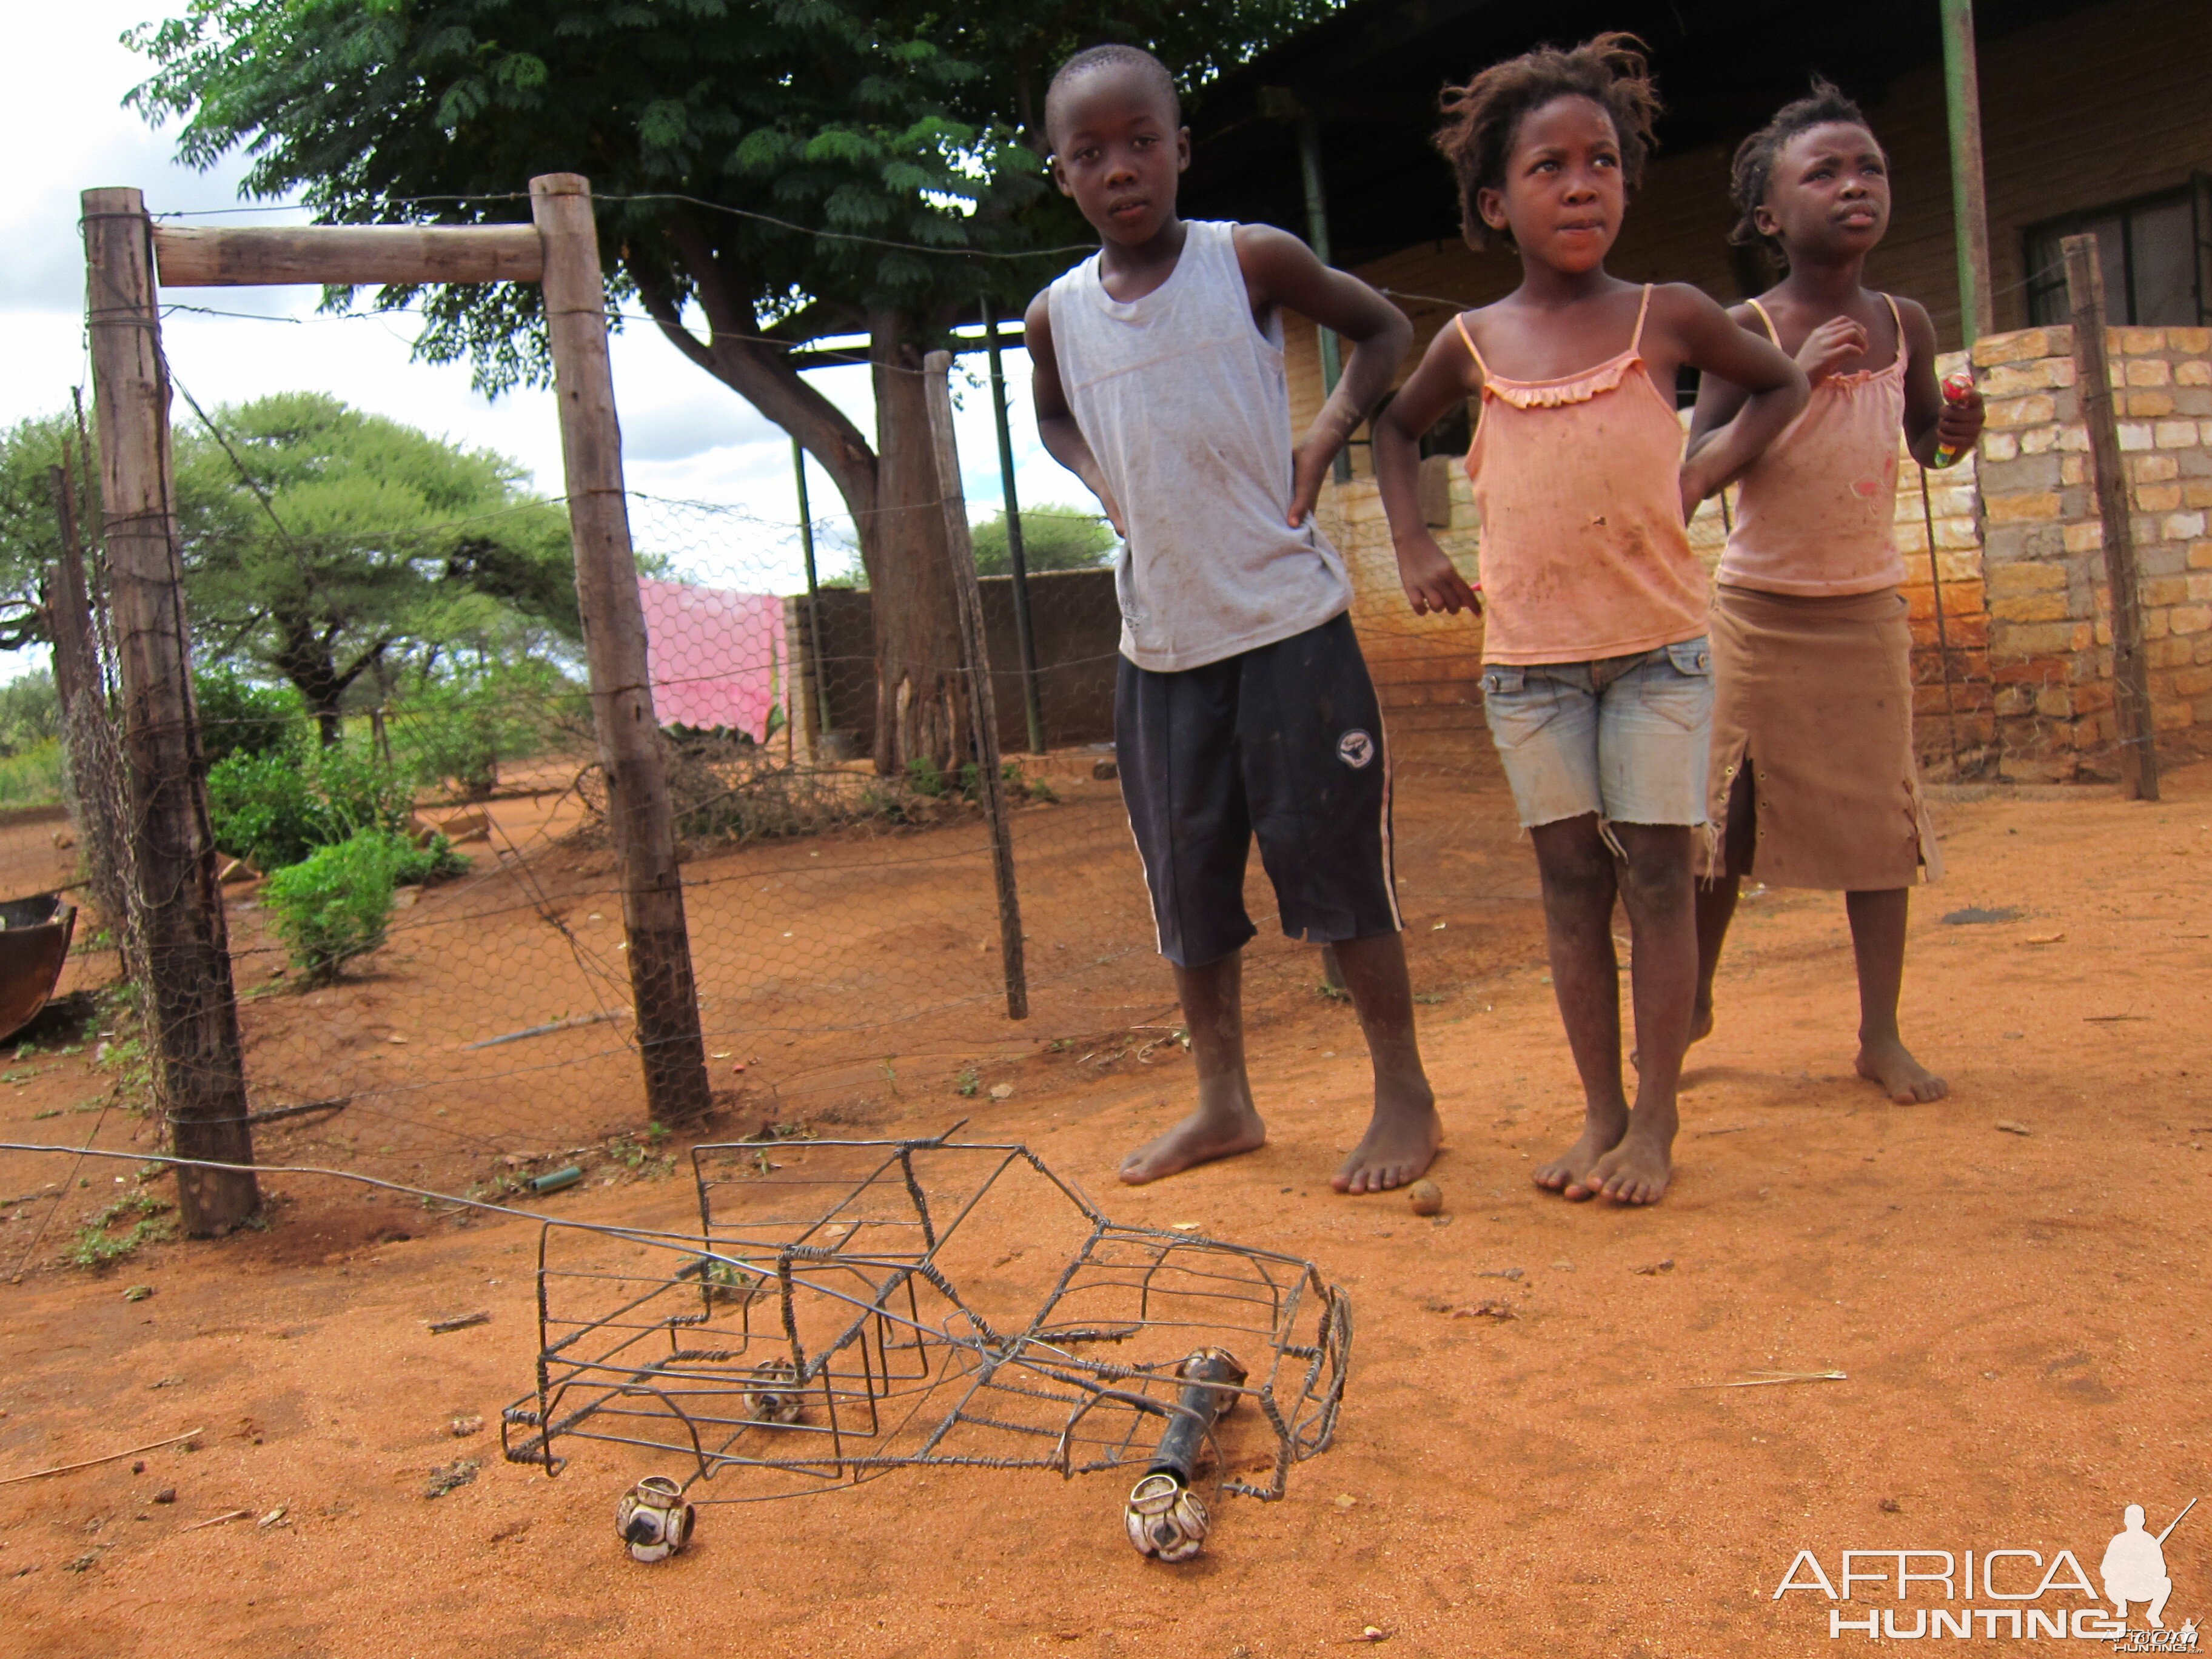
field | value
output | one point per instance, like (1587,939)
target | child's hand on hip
(1828,347)
(1308,466)
(1432,583)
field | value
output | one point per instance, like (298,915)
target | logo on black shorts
(1355,749)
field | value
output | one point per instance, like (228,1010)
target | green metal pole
(813,592)
(1332,365)
(1023,638)
(1970,213)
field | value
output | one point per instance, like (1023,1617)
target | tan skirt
(1813,715)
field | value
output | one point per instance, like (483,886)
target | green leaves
(322,544)
(336,904)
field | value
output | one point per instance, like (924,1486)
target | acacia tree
(323,544)
(768,174)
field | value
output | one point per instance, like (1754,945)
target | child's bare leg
(1580,884)
(1716,909)
(1225,1121)
(1403,1135)
(1658,889)
(1717,899)
(1878,942)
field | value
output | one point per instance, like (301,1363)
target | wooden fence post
(642,822)
(982,707)
(1017,554)
(2085,299)
(192,1008)
(81,689)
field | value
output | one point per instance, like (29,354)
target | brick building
(2092,118)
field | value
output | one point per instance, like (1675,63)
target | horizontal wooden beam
(265,256)
(1013,339)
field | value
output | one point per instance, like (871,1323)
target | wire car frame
(853,1307)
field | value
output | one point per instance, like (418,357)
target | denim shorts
(1625,737)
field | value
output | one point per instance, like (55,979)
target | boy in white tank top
(1242,706)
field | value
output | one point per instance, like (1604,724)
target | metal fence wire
(845,921)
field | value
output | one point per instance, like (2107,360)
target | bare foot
(1568,1173)
(1701,1027)
(1207,1134)
(1638,1169)
(1888,1061)
(1402,1140)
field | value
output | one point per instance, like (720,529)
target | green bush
(459,729)
(239,717)
(265,809)
(34,777)
(336,903)
(433,861)
(30,713)
(274,809)
(359,790)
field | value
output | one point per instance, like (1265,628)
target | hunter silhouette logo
(2023,1595)
(2134,1568)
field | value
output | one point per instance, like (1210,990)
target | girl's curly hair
(1753,169)
(1482,117)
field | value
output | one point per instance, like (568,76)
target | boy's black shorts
(1285,742)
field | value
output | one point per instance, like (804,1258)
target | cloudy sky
(685,435)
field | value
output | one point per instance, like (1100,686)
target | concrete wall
(1078,629)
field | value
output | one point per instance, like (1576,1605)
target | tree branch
(762,374)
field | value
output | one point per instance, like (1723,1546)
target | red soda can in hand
(1957,386)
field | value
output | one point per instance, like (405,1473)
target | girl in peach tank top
(1597,683)
(1582,561)
(1817,513)
(1813,777)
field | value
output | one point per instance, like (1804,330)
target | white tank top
(1183,400)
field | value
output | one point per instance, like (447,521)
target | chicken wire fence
(474,1031)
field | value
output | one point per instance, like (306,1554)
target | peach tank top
(1584,554)
(1816,515)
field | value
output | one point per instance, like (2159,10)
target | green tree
(1053,538)
(30,534)
(240,716)
(769,175)
(327,544)
(320,544)
(30,713)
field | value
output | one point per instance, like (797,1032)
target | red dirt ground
(2021,1321)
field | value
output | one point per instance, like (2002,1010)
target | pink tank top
(1584,554)
(1816,516)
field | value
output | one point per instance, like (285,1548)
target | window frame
(2197,192)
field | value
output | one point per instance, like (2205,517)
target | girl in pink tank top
(1597,685)
(1813,774)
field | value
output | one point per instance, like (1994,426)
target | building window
(2153,251)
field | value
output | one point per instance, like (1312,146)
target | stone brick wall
(2049,613)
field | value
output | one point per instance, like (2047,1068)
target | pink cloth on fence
(716,658)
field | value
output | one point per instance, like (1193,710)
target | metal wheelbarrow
(34,944)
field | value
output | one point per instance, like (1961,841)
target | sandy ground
(2019,1319)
